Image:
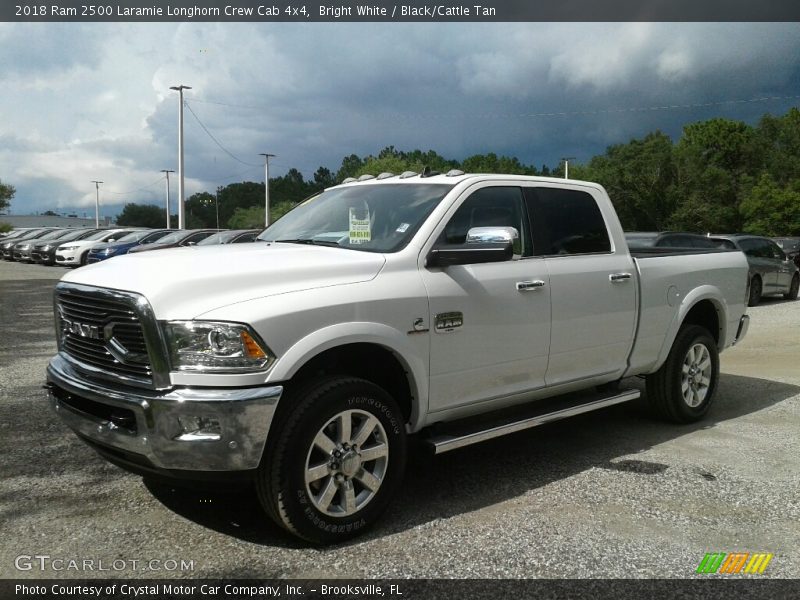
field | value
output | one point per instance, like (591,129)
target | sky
(91,101)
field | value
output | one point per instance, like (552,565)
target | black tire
(318,409)
(84,258)
(793,288)
(665,393)
(755,291)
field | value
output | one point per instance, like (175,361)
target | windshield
(218,238)
(99,235)
(73,235)
(374,218)
(173,237)
(53,234)
(134,236)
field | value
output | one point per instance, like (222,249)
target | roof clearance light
(454,173)
(407,174)
(385,175)
(366,176)
(350,180)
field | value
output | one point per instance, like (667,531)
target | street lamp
(266,186)
(566,160)
(167,172)
(179,89)
(97,203)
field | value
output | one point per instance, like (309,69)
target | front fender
(341,334)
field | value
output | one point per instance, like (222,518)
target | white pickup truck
(454,308)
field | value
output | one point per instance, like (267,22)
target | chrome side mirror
(487,235)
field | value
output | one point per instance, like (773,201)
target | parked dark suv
(771,271)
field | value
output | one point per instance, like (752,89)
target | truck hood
(184,283)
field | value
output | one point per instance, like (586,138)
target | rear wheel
(793,288)
(755,291)
(336,460)
(682,390)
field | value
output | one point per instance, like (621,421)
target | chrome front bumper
(145,423)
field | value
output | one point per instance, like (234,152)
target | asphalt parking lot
(607,495)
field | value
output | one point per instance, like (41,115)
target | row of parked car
(76,247)
(774,262)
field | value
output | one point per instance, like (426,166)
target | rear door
(759,256)
(592,286)
(785,267)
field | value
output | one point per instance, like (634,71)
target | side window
(762,249)
(565,222)
(489,207)
(248,237)
(775,251)
(200,235)
(749,247)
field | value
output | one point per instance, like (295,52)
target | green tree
(200,211)
(7,192)
(5,227)
(142,215)
(350,167)
(639,177)
(717,161)
(779,141)
(771,209)
(253,217)
(323,178)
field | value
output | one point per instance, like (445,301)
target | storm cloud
(85,102)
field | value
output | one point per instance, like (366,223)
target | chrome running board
(444,442)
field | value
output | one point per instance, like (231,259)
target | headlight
(65,248)
(46,248)
(107,251)
(216,347)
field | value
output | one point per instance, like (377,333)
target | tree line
(721,175)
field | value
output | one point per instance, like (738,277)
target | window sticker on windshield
(359,228)
(403,228)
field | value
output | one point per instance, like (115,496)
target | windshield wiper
(309,241)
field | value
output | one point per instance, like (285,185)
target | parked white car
(74,254)
(377,310)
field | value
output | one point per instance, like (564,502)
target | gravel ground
(607,495)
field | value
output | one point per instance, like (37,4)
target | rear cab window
(565,222)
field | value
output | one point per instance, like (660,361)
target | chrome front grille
(103,330)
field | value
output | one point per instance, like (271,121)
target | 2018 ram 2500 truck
(371,312)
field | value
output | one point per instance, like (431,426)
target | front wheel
(682,390)
(335,461)
(793,288)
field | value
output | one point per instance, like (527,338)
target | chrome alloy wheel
(346,463)
(696,375)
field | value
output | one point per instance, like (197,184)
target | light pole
(179,89)
(266,186)
(216,205)
(97,203)
(167,172)
(566,160)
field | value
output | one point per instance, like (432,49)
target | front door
(493,331)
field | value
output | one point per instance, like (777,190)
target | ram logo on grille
(82,329)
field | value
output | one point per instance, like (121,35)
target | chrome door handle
(615,277)
(526,286)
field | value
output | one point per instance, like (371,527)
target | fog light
(198,428)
